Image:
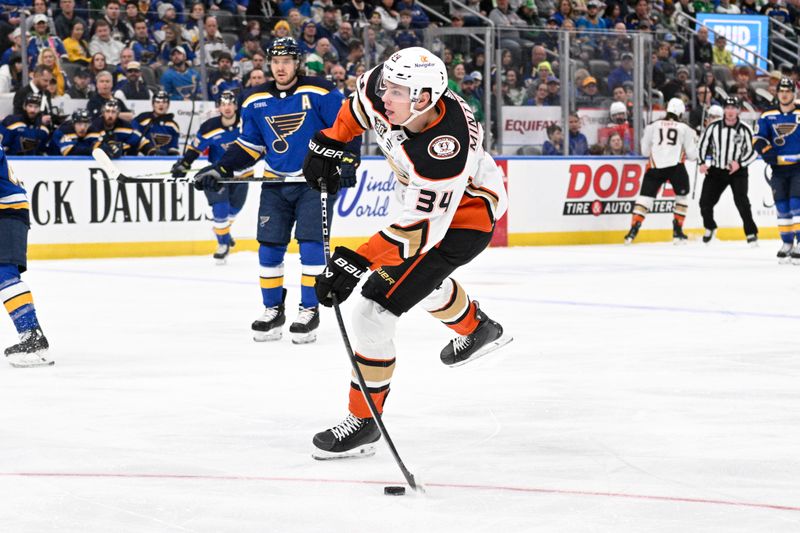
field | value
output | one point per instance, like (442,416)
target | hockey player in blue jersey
(215,135)
(72,137)
(278,120)
(14,293)
(116,137)
(777,139)
(24,134)
(159,127)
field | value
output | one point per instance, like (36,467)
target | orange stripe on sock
(358,405)
(469,323)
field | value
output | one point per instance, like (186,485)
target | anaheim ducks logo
(161,139)
(783,130)
(283,126)
(444,147)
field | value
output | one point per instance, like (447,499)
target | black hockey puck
(394,491)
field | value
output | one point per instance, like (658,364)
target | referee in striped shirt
(727,149)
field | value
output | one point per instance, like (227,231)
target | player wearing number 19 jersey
(452,193)
(667,143)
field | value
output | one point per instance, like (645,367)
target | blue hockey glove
(208,178)
(322,161)
(340,276)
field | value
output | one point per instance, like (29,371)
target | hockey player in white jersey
(452,193)
(667,143)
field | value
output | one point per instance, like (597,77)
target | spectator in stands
(49,59)
(612,15)
(593,23)
(104,93)
(258,60)
(705,99)
(543,72)
(540,95)
(553,91)
(565,11)
(224,78)
(478,60)
(503,15)
(589,95)
(16,46)
(197,15)
(641,19)
(405,36)
(515,90)
(338,77)
(374,48)
(744,96)
(469,96)
(390,16)
(750,7)
(578,145)
(77,49)
(357,13)
(280,30)
(40,79)
(703,6)
(255,78)
(329,24)
(703,53)
(39,7)
(133,86)
(457,73)
(102,43)
(130,17)
(616,145)
(622,73)
(419,19)
(118,30)
(66,19)
(776,10)
(26,133)
(620,43)
(295,20)
(678,84)
(214,42)
(354,57)
(303,6)
(121,71)
(96,66)
(80,89)
(40,39)
(529,13)
(341,39)
(166,17)
(721,55)
(11,75)
(315,61)
(728,8)
(145,49)
(172,40)
(619,124)
(308,37)
(554,145)
(664,68)
(545,8)
(179,80)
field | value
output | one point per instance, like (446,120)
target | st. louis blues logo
(283,126)
(782,130)
(28,144)
(161,139)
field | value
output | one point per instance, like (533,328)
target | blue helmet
(284,46)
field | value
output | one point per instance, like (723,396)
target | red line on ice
(373,482)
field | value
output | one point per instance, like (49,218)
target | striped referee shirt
(724,144)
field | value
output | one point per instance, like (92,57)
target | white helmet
(715,111)
(617,108)
(676,107)
(417,69)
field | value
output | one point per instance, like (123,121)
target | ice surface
(650,388)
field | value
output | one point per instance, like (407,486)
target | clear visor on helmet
(398,93)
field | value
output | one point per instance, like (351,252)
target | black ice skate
(678,236)
(795,254)
(354,437)
(709,235)
(223,251)
(485,339)
(303,329)
(633,232)
(783,253)
(30,351)
(268,326)
(752,241)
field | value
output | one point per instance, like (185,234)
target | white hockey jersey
(445,178)
(668,142)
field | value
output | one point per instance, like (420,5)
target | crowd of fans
(111,49)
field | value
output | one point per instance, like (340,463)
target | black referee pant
(717,180)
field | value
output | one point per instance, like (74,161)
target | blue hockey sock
(785,221)
(17,298)
(794,206)
(270,257)
(312,258)
(222,226)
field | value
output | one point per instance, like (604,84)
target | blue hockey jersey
(778,133)
(162,132)
(22,136)
(13,200)
(121,132)
(66,142)
(215,137)
(279,124)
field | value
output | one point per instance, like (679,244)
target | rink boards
(76,213)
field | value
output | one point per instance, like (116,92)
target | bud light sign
(748,35)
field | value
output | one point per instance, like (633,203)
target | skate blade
(628,242)
(29,360)
(304,338)
(267,336)
(784,260)
(796,261)
(489,348)
(679,242)
(753,244)
(368,450)
(220,262)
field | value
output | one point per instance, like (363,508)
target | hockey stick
(698,163)
(326,245)
(112,173)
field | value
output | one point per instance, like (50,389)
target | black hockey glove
(347,169)
(322,162)
(180,168)
(112,149)
(207,178)
(770,157)
(340,276)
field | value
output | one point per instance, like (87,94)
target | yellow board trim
(616,237)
